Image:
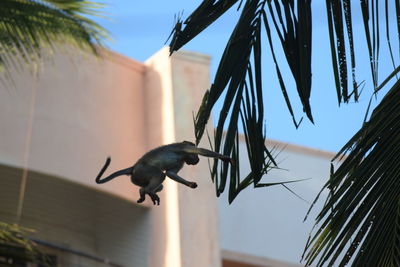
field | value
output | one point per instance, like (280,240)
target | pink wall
(81,110)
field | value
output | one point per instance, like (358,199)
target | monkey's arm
(207,153)
(179,179)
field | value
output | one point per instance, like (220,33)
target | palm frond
(204,15)
(339,15)
(239,78)
(15,244)
(360,219)
(340,22)
(27,26)
(243,102)
(293,24)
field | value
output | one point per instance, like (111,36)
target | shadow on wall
(76,223)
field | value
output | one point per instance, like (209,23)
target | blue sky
(140,28)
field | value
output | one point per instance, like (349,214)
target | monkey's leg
(179,179)
(154,197)
(142,195)
(153,192)
(160,187)
(152,177)
(154,187)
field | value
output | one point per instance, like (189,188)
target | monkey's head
(191,159)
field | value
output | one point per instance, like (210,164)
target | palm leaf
(360,219)
(207,12)
(239,78)
(15,244)
(27,26)
(294,30)
(339,23)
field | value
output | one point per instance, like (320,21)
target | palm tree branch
(238,78)
(27,26)
(205,14)
(360,217)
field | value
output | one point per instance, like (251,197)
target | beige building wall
(58,127)
(72,116)
(264,226)
(62,124)
(191,214)
(73,219)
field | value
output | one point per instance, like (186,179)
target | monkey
(150,170)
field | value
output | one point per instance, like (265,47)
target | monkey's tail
(108,161)
(126,171)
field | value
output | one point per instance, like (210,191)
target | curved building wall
(59,127)
(80,226)
(267,223)
(72,116)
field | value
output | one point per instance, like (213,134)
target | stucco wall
(75,217)
(189,231)
(78,111)
(268,222)
(72,116)
(199,207)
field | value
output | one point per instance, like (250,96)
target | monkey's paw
(193,185)
(155,199)
(228,160)
(140,200)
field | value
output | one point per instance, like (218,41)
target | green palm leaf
(15,244)
(207,12)
(360,220)
(27,26)
(361,216)
(239,78)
